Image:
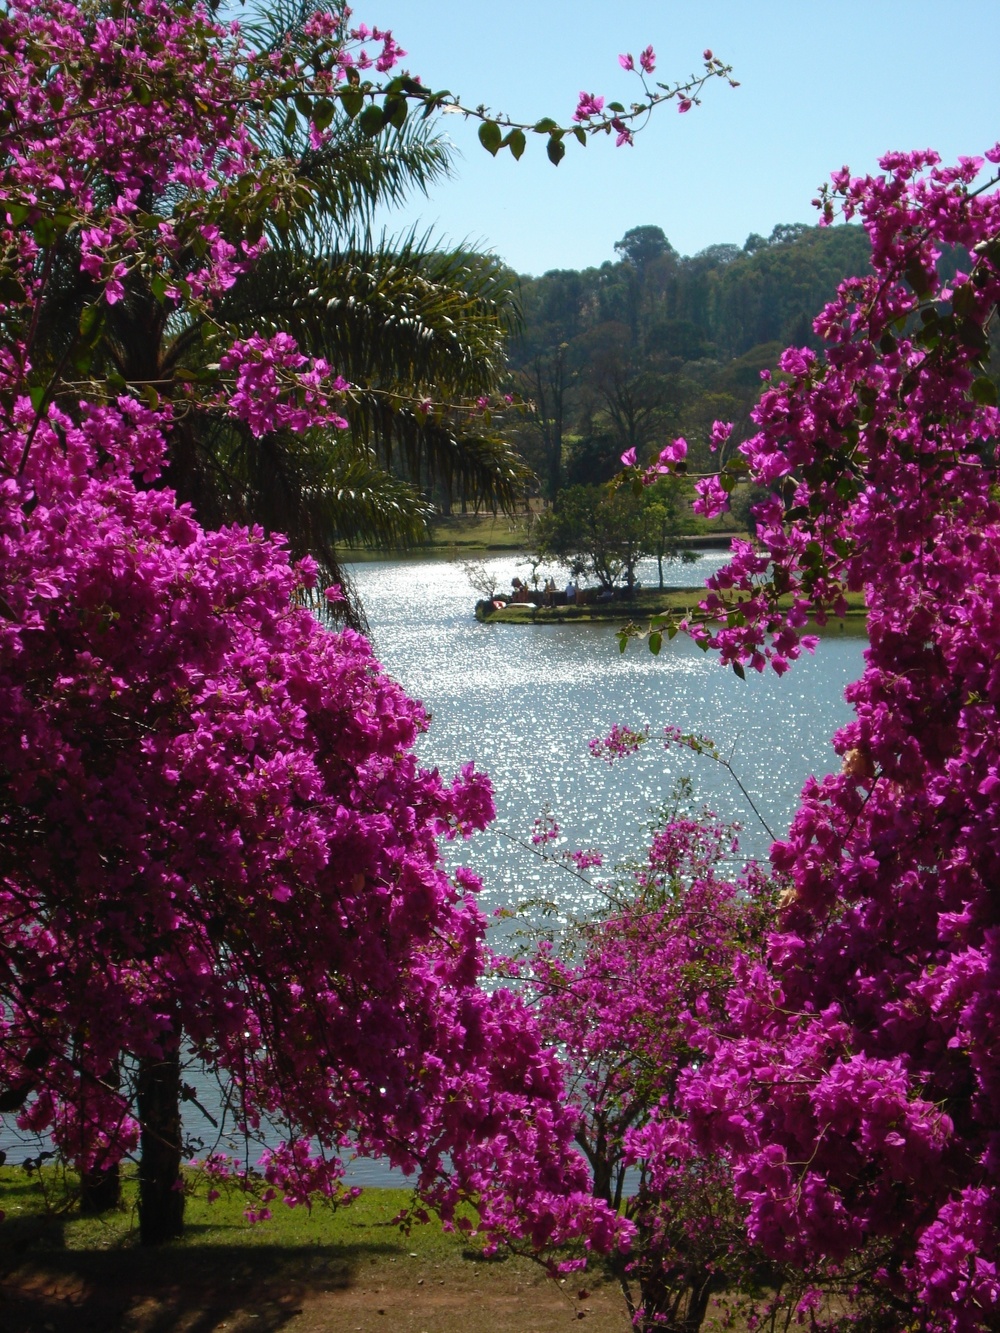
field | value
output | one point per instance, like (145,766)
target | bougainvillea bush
(215,839)
(629,999)
(858,1089)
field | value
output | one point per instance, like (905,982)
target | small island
(592,605)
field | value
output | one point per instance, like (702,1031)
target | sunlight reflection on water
(522,701)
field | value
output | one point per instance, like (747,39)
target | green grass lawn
(469,534)
(463,534)
(319,1271)
(43,1210)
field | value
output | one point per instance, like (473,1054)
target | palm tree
(404,320)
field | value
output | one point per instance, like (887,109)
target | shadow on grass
(181,1288)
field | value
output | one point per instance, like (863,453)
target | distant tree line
(656,344)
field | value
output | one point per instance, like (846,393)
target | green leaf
(555,149)
(490,136)
(581,134)
(973,336)
(37,395)
(964,300)
(434,101)
(394,112)
(45,231)
(738,670)
(11,291)
(984,391)
(370,120)
(291,120)
(545,126)
(916,276)
(352,102)
(516,143)
(208,374)
(91,318)
(655,642)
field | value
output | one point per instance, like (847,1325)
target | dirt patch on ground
(348,1270)
(309,1291)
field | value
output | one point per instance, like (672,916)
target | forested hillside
(656,344)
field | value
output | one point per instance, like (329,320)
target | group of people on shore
(548,594)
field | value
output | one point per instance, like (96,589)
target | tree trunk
(101,1187)
(161,1196)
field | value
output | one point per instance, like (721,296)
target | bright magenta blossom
(215,836)
(587,106)
(858,1090)
(711,498)
(674,452)
(631,1000)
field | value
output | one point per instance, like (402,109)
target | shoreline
(642,606)
(516,542)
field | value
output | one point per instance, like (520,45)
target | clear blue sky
(823,82)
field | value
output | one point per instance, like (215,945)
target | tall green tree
(664,509)
(596,531)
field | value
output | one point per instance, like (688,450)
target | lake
(522,701)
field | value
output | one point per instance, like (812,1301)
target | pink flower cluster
(858,1090)
(670,456)
(631,1000)
(619,741)
(215,835)
(277,388)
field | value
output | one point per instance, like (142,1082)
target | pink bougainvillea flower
(588,105)
(675,452)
